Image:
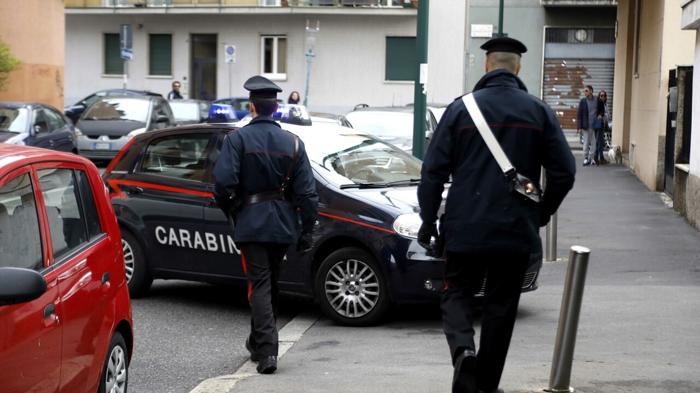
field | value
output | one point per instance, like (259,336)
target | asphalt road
(186,332)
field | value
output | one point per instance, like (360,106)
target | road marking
(292,332)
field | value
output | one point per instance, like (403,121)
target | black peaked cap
(261,87)
(504,44)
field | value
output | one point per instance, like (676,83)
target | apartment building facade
(363,51)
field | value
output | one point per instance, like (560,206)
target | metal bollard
(550,252)
(560,377)
(550,247)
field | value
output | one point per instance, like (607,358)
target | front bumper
(419,278)
(101,147)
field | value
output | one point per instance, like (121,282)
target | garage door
(565,79)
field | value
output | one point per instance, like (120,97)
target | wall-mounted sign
(482,31)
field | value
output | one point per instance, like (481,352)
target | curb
(292,332)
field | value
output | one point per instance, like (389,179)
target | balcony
(125,4)
(578,3)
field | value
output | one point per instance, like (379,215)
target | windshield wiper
(406,182)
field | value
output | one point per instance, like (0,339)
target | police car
(365,255)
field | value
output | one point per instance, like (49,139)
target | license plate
(103,146)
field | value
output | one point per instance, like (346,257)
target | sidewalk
(638,330)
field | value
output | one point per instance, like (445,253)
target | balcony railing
(579,3)
(237,3)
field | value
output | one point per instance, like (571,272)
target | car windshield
(14,119)
(383,123)
(187,111)
(361,159)
(132,109)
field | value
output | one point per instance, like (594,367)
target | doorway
(203,66)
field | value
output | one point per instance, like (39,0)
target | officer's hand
(425,234)
(305,242)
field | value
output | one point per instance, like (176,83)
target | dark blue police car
(365,256)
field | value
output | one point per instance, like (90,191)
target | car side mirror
(162,119)
(19,285)
(35,130)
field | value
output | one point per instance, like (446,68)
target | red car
(65,313)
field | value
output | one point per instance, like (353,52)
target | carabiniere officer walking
(263,177)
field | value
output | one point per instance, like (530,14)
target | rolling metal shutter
(565,79)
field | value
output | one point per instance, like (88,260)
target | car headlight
(77,131)
(135,132)
(407,225)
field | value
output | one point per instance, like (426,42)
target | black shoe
(253,355)
(464,378)
(267,365)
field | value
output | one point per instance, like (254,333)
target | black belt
(265,196)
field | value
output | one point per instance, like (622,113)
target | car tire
(351,289)
(138,278)
(115,370)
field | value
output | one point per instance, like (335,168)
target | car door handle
(49,310)
(135,190)
(105,278)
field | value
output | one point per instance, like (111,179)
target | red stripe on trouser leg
(245,270)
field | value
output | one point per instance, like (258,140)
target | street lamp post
(419,92)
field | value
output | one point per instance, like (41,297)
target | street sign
(230,53)
(125,37)
(482,31)
(127,54)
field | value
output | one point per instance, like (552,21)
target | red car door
(81,257)
(30,333)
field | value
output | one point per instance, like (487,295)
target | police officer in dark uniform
(489,231)
(263,177)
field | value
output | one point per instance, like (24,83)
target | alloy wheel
(129,260)
(115,375)
(352,288)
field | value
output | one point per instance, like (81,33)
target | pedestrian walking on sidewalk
(262,178)
(586,118)
(601,126)
(489,231)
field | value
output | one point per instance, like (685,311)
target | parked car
(74,111)
(436,108)
(391,124)
(65,313)
(112,121)
(330,118)
(39,125)
(161,188)
(189,111)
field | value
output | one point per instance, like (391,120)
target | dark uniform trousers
(464,275)
(261,263)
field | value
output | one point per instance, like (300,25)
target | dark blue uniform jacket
(256,159)
(482,214)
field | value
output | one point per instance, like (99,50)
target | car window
(14,119)
(66,221)
(20,244)
(92,99)
(40,121)
(186,111)
(177,156)
(118,108)
(91,217)
(54,119)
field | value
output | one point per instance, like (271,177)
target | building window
(273,51)
(160,54)
(400,59)
(114,65)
